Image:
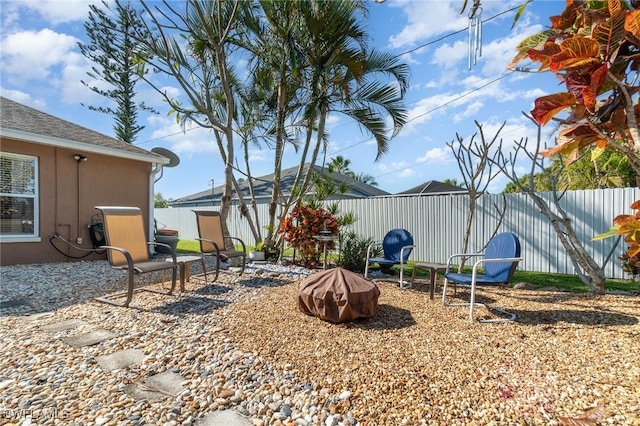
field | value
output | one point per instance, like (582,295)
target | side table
(433,269)
(184,268)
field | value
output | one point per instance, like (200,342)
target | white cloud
(471,110)
(171,91)
(390,167)
(435,155)
(406,173)
(427,19)
(259,155)
(23,98)
(55,11)
(192,140)
(449,56)
(73,72)
(31,55)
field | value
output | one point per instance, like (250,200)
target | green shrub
(353,252)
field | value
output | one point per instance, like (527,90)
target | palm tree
(316,54)
(339,164)
(365,178)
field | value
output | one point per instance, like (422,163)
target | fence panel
(438,224)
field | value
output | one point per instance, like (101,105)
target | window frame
(35,236)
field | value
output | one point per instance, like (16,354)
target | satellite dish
(174,160)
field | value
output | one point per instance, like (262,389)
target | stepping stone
(63,325)
(36,317)
(88,339)
(224,417)
(154,388)
(120,359)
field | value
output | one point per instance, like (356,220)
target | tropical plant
(339,164)
(353,251)
(585,266)
(301,227)
(159,202)
(454,182)
(194,47)
(611,169)
(593,48)
(114,50)
(307,59)
(317,56)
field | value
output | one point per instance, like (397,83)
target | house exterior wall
(68,192)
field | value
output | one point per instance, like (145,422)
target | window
(18,197)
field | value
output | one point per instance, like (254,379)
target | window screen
(18,195)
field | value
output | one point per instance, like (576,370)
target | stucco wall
(69,190)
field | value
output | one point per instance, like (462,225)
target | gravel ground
(241,343)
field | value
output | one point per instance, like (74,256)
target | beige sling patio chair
(214,243)
(128,249)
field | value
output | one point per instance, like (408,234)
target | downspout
(157,169)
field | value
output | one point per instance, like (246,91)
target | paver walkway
(153,388)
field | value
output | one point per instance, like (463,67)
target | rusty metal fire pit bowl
(338,295)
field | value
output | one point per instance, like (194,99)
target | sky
(41,66)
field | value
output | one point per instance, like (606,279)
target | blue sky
(42,67)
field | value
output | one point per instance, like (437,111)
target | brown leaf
(632,23)
(544,55)
(567,18)
(589,419)
(546,107)
(610,33)
(575,52)
(597,80)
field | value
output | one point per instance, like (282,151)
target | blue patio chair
(396,248)
(499,261)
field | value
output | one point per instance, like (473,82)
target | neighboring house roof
(21,122)
(263,186)
(433,187)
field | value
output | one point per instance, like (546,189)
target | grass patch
(188,246)
(536,279)
(193,246)
(541,280)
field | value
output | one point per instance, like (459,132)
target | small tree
(593,48)
(159,202)
(585,266)
(114,51)
(475,161)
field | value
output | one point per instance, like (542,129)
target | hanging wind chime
(475,32)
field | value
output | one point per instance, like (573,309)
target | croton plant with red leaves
(300,227)
(629,226)
(593,47)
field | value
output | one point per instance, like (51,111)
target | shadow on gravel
(212,289)
(254,282)
(592,317)
(388,318)
(191,305)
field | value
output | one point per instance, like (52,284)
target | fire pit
(338,295)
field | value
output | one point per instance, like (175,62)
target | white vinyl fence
(438,223)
